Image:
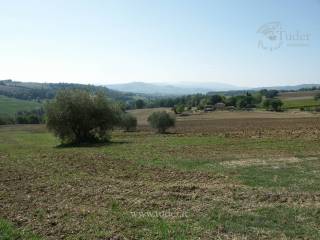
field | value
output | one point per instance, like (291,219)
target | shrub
(178,108)
(128,122)
(273,104)
(140,104)
(75,116)
(6,120)
(161,121)
(30,117)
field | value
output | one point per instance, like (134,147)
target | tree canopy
(76,116)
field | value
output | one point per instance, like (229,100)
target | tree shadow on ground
(166,133)
(90,144)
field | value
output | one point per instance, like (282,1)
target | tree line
(263,98)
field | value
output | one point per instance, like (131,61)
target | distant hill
(290,88)
(179,89)
(174,89)
(42,91)
(300,87)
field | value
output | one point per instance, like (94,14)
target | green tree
(215,99)
(231,101)
(179,108)
(203,103)
(75,116)
(128,122)
(161,121)
(140,104)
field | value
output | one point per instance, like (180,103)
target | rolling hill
(173,90)
(24,96)
(35,91)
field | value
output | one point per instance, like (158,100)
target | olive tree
(128,122)
(77,116)
(161,121)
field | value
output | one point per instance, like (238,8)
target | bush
(128,122)
(273,104)
(2,121)
(161,121)
(6,120)
(30,117)
(75,116)
(178,108)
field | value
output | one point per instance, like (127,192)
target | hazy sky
(103,42)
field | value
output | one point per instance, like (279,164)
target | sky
(247,43)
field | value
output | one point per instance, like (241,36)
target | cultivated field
(298,94)
(300,99)
(238,175)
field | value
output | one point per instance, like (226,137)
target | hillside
(9,106)
(40,91)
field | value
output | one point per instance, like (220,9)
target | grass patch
(295,177)
(9,232)
(276,222)
(299,103)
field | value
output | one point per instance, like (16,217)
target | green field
(9,106)
(142,185)
(299,103)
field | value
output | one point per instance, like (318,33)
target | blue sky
(171,41)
